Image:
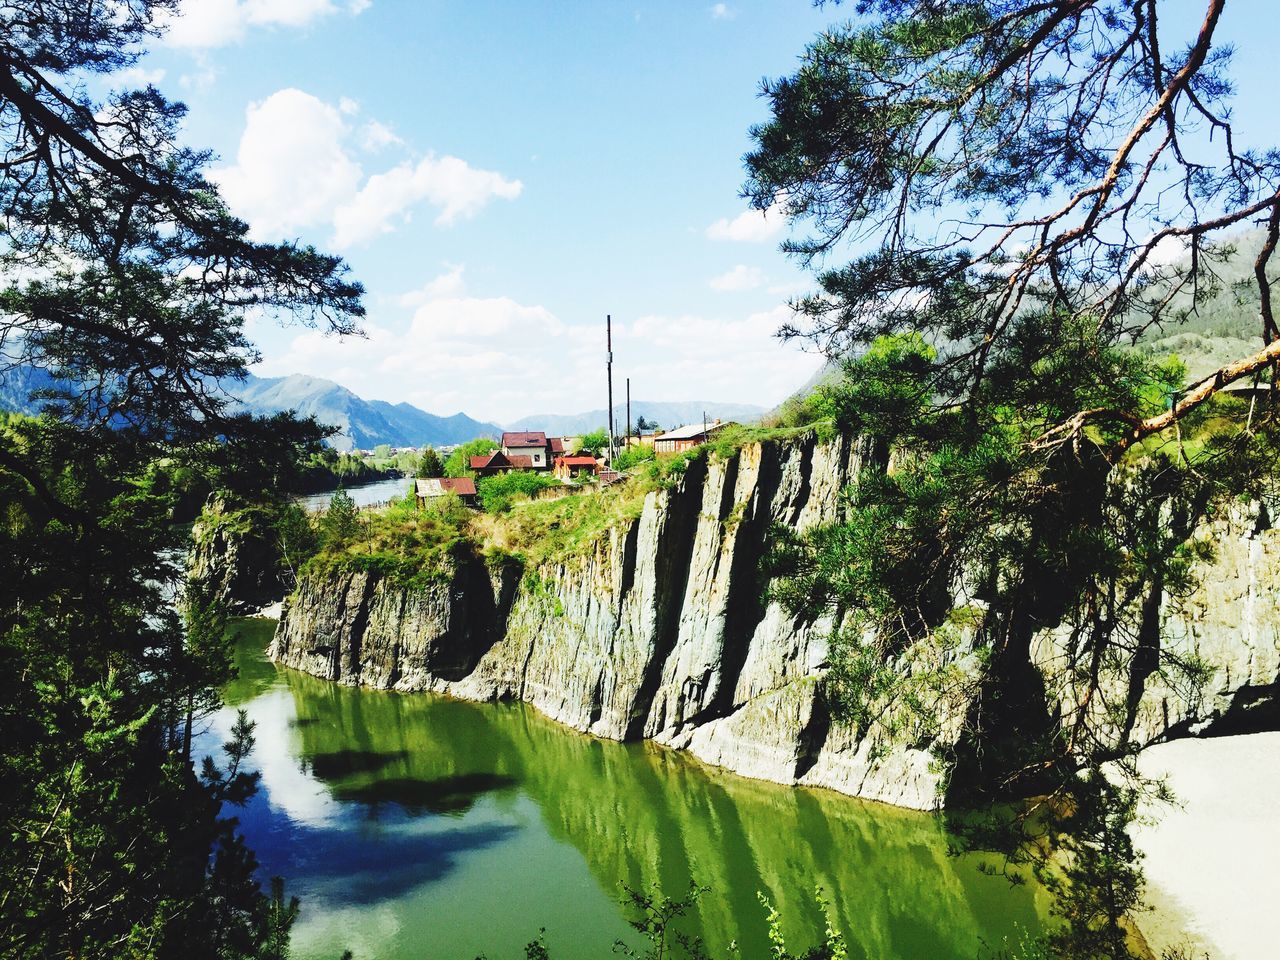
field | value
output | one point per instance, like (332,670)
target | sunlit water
(364,495)
(420,826)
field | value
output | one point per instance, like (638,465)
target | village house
(567,468)
(531,444)
(492,464)
(687,437)
(432,488)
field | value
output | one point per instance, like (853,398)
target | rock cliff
(662,630)
(233,556)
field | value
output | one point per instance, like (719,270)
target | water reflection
(364,495)
(420,826)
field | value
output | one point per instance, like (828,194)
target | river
(370,493)
(416,826)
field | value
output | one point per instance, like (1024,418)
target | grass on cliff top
(419,546)
(401,543)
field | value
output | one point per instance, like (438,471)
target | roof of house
(538,439)
(690,431)
(439,486)
(557,445)
(462,486)
(576,461)
(501,461)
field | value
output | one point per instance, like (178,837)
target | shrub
(459,462)
(498,493)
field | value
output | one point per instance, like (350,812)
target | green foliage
(127,282)
(327,469)
(1020,457)
(498,493)
(429,464)
(595,442)
(633,456)
(297,539)
(833,946)
(1100,884)
(340,523)
(458,462)
(401,542)
(655,916)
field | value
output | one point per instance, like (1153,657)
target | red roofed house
(431,488)
(531,444)
(497,462)
(566,468)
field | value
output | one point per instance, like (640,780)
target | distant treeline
(188,491)
(329,469)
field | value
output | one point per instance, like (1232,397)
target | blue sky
(500,175)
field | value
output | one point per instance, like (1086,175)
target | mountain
(362,423)
(668,414)
(367,423)
(17,382)
(1226,325)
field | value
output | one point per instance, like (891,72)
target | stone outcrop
(663,630)
(233,556)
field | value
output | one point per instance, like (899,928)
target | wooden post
(608,363)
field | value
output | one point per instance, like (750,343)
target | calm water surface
(363,495)
(418,826)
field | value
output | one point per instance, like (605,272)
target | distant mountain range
(668,415)
(361,423)
(366,423)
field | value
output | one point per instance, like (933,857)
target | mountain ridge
(367,423)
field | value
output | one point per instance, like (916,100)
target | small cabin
(566,468)
(687,437)
(432,488)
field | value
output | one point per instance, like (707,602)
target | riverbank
(1211,859)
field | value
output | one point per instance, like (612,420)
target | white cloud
(375,136)
(215,23)
(134,77)
(750,226)
(458,189)
(722,11)
(740,277)
(203,76)
(348,107)
(291,168)
(1166,252)
(294,169)
(491,356)
(448,284)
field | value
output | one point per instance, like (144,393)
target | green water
(419,826)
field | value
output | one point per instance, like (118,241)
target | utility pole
(628,413)
(608,363)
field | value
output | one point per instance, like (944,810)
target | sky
(502,175)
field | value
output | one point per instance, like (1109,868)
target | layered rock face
(234,559)
(663,631)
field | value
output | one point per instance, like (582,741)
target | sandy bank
(1211,861)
